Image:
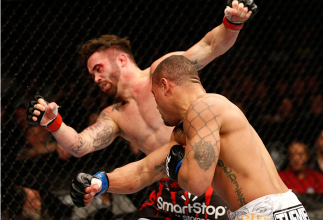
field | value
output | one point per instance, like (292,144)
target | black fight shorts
(168,201)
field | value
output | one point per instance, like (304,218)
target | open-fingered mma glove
(83,180)
(237,25)
(50,125)
(174,161)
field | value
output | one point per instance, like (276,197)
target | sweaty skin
(136,118)
(221,148)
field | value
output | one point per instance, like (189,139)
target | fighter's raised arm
(111,63)
(97,136)
(221,38)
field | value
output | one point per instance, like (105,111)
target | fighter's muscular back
(243,169)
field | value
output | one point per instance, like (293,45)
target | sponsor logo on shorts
(194,208)
(292,213)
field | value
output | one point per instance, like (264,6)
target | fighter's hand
(85,186)
(238,12)
(174,161)
(42,113)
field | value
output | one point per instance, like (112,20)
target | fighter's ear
(122,59)
(165,85)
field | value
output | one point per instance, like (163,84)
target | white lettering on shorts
(293,213)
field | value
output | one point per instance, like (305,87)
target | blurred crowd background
(273,73)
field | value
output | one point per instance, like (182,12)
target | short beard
(112,92)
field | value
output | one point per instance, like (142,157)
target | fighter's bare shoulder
(111,112)
(206,109)
(209,101)
(226,113)
(216,98)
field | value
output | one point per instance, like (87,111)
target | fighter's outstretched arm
(217,41)
(135,176)
(220,39)
(124,180)
(97,136)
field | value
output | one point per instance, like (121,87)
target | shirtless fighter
(221,149)
(110,62)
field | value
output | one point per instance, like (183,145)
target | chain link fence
(273,73)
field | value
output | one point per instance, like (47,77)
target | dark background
(273,72)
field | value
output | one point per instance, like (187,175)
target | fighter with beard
(111,63)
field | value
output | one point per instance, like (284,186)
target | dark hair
(102,43)
(176,68)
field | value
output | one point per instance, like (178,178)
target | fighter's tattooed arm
(197,65)
(103,117)
(101,134)
(202,129)
(161,167)
(79,147)
(97,136)
(204,154)
(93,138)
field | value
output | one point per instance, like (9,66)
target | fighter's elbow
(199,193)
(77,154)
(195,187)
(198,190)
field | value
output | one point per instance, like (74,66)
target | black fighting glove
(247,3)
(237,25)
(174,161)
(84,180)
(50,125)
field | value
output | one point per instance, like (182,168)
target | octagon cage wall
(273,73)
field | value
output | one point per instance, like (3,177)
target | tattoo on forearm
(161,167)
(102,134)
(79,146)
(233,179)
(197,65)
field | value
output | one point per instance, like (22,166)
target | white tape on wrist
(96,181)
